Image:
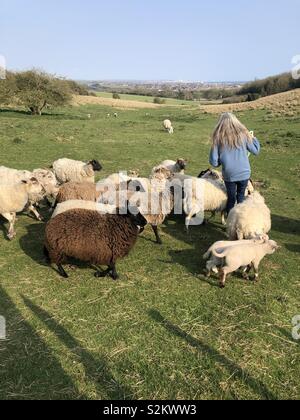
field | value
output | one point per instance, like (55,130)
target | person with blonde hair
(232,145)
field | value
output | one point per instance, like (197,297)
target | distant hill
(286,103)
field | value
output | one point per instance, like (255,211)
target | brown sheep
(91,237)
(78,191)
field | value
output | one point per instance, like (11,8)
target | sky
(199,40)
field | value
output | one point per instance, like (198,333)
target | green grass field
(149,99)
(164,330)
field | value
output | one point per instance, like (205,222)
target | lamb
(45,177)
(247,255)
(65,206)
(249,219)
(14,198)
(92,237)
(168,126)
(67,170)
(214,263)
(174,167)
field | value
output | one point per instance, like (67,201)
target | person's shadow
(233,369)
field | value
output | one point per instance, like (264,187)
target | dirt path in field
(115,103)
(287,103)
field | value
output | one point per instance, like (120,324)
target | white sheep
(45,177)
(82,204)
(168,126)
(14,198)
(174,167)
(250,219)
(214,263)
(249,255)
(67,170)
(202,195)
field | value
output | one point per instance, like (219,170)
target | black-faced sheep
(67,170)
(174,167)
(91,237)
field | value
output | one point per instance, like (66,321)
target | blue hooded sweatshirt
(235,161)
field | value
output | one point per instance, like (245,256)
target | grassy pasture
(164,330)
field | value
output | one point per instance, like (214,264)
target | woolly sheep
(168,126)
(14,198)
(249,219)
(65,206)
(67,170)
(45,177)
(202,195)
(78,191)
(91,237)
(174,167)
(214,263)
(152,196)
(249,255)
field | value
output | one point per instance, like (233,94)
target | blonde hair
(230,132)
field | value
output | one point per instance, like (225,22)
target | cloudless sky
(211,40)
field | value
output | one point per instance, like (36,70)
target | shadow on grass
(28,369)
(57,116)
(32,242)
(200,238)
(233,369)
(285,225)
(95,369)
(293,247)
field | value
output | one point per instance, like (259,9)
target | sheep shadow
(285,225)
(28,368)
(200,238)
(32,242)
(234,370)
(96,369)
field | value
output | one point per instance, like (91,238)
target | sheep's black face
(201,175)
(182,164)
(97,167)
(138,220)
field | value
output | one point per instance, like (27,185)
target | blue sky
(151,39)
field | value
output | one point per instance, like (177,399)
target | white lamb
(168,126)
(45,177)
(249,219)
(67,170)
(174,167)
(14,198)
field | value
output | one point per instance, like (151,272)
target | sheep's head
(272,247)
(211,174)
(34,188)
(96,165)
(181,164)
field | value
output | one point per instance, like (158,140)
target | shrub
(116,96)
(159,101)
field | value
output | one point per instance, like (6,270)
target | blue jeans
(236,193)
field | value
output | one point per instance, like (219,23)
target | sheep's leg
(246,272)
(11,218)
(255,265)
(158,238)
(223,218)
(114,275)
(223,274)
(35,212)
(62,271)
(102,274)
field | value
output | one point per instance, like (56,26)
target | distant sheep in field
(91,237)
(250,219)
(168,126)
(174,167)
(67,170)
(14,198)
(116,115)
